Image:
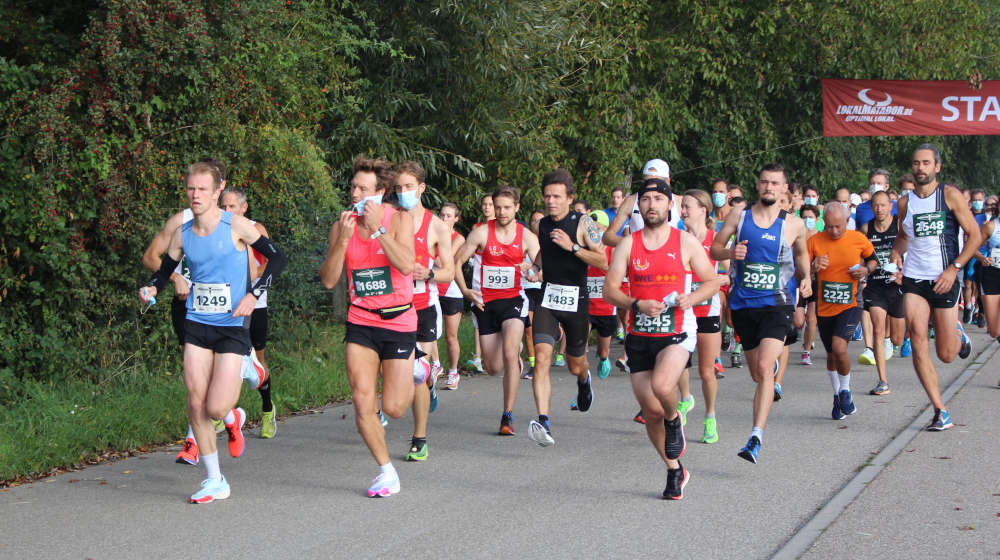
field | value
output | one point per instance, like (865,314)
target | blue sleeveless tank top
(220,275)
(765,277)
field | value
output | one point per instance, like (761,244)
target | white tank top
(933,241)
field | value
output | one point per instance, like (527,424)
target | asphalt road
(595,493)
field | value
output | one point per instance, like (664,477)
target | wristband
(635,307)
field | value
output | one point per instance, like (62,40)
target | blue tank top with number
(764,278)
(220,274)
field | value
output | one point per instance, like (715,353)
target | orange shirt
(837,290)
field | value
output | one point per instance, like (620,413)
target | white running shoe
(888,349)
(211,489)
(540,434)
(384,485)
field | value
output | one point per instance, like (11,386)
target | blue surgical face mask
(408,199)
(359,206)
(718,199)
(977,205)
(810,222)
(811,200)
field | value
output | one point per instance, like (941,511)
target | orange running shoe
(507,424)
(189,453)
(237,445)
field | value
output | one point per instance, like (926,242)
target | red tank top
(595,290)
(421,293)
(443,288)
(376,284)
(708,308)
(654,275)
(500,275)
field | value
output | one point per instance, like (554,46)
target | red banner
(910,108)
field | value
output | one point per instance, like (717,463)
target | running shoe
(806,358)
(941,421)
(719,369)
(560,360)
(711,434)
(881,388)
(436,370)
(451,383)
(252,371)
(572,405)
(584,395)
(889,348)
(777,391)
(417,452)
(621,365)
(211,489)
(836,413)
(674,443)
(677,479)
(219,425)
(639,418)
(967,315)
(475,364)
(930,333)
(620,336)
(382,418)
(507,424)
(858,334)
(727,335)
(434,398)
(906,350)
(683,406)
(268,426)
(604,368)
(736,359)
(528,372)
(237,444)
(867,358)
(966,348)
(541,433)
(384,485)
(847,403)
(980,319)
(189,453)
(750,450)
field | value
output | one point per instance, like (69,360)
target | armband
(160,278)
(276,261)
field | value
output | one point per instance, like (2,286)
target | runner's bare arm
(800,251)
(956,201)
(901,243)
(697,261)
(398,243)
(588,237)
(160,242)
(720,250)
(340,235)
(163,274)
(533,249)
(985,233)
(444,270)
(613,293)
(611,237)
(475,242)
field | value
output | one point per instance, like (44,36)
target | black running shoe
(584,396)
(674,443)
(677,479)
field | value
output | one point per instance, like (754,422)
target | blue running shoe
(941,421)
(560,360)
(847,403)
(750,450)
(905,351)
(604,368)
(434,398)
(212,489)
(777,391)
(966,348)
(836,413)
(857,333)
(382,418)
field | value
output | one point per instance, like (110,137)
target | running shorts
(709,325)
(178,316)
(641,351)
(886,296)
(534,298)
(451,305)
(575,324)
(491,318)
(221,340)
(754,324)
(925,289)
(606,325)
(428,324)
(390,345)
(990,279)
(840,325)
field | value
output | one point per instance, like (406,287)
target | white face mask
(810,222)
(874,188)
(359,206)
(811,200)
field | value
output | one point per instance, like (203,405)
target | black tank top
(883,246)
(562,266)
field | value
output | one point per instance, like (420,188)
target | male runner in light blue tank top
(770,248)
(929,220)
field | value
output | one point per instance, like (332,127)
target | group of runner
(675,270)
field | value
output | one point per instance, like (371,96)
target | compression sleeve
(160,278)
(276,261)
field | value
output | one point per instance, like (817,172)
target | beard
(927,179)
(767,202)
(658,220)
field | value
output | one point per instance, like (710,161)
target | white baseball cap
(855,199)
(656,168)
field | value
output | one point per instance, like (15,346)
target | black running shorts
(390,345)
(575,324)
(887,296)
(841,325)
(534,298)
(606,325)
(925,289)
(258,328)
(641,351)
(221,340)
(989,277)
(754,324)
(709,325)
(492,318)
(427,324)
(451,305)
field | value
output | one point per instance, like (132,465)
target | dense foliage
(102,104)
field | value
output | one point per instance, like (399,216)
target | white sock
(845,382)
(835,381)
(389,469)
(211,462)
(190,432)
(451,371)
(759,432)
(689,398)
(230,418)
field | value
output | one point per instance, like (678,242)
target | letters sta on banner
(910,108)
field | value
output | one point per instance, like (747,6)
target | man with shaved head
(840,257)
